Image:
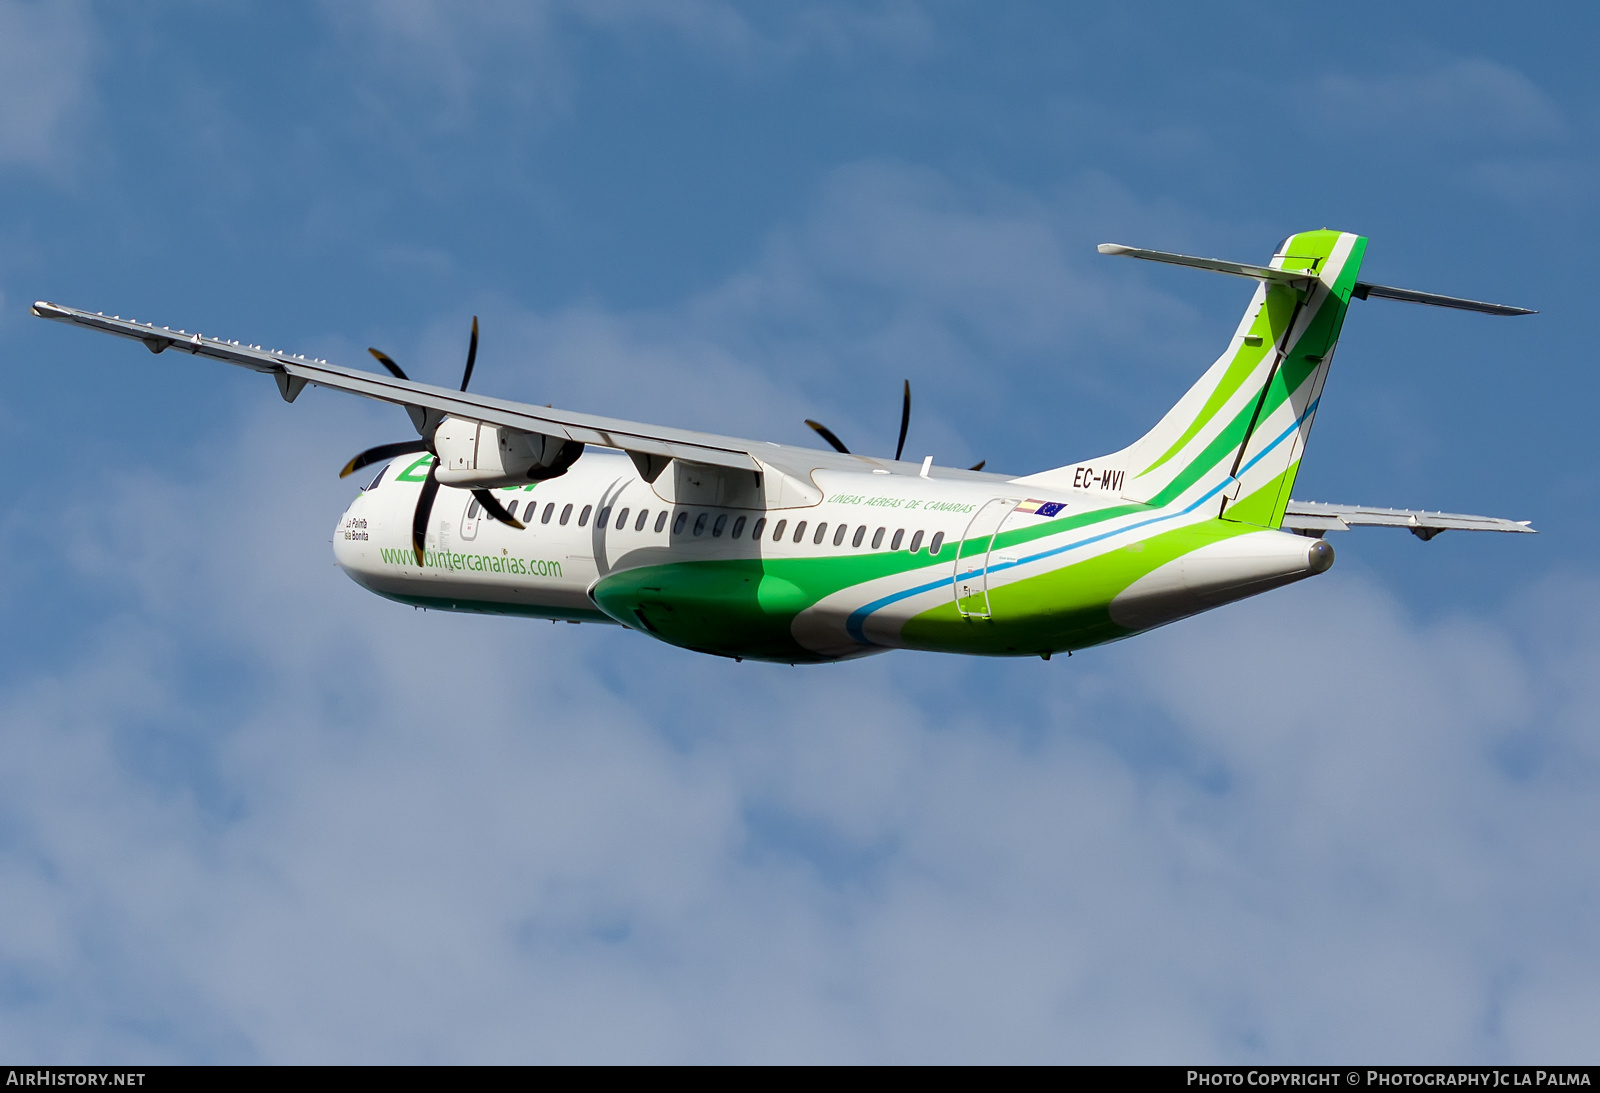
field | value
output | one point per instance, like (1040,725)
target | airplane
(771,552)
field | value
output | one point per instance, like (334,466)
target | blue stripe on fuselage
(856,623)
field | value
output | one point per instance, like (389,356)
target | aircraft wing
(1319,517)
(651,446)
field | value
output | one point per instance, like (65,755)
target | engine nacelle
(477,455)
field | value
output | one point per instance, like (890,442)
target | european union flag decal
(1041,508)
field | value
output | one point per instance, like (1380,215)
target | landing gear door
(972,557)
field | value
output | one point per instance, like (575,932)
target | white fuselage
(601,519)
(547,569)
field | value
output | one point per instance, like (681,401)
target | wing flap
(1317,516)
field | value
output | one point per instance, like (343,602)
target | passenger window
(566,514)
(938,541)
(800,531)
(838,536)
(717,528)
(777,532)
(877,538)
(472,509)
(583,517)
(916,542)
(644,514)
(599,520)
(822,529)
(661,521)
(677,525)
(548,509)
(756,529)
(894,544)
(738,528)
(511,510)
(622,519)
(700,524)
(861,533)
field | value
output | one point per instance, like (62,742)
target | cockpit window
(377,478)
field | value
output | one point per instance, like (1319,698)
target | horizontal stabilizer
(1364,290)
(1317,517)
(1215,265)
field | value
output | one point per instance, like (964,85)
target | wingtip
(1113,248)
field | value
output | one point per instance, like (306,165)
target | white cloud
(45,54)
(1459,99)
(254,813)
(451,56)
(258,814)
(991,302)
(463,56)
(1533,184)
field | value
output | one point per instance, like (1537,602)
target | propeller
(900,446)
(430,484)
(905,422)
(827,434)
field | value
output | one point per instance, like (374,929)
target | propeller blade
(472,356)
(380,453)
(419,519)
(496,510)
(905,422)
(827,434)
(383,359)
(978,466)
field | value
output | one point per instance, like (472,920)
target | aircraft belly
(727,607)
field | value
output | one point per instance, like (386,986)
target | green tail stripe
(1275,311)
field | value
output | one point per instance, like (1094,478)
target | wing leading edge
(1316,517)
(651,446)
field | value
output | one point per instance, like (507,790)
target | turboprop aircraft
(750,549)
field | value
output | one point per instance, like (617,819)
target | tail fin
(1244,425)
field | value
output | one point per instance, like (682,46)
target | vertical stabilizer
(1244,424)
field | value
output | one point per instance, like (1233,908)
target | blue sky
(251,813)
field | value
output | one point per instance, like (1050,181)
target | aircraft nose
(352,534)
